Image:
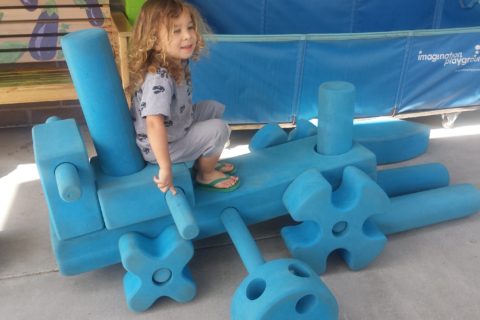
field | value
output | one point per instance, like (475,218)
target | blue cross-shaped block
(336,220)
(156,268)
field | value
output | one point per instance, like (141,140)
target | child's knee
(217,108)
(220,131)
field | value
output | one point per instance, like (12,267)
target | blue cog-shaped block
(156,268)
(336,220)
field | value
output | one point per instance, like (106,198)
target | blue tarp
(268,57)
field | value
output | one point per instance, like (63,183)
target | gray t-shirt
(161,95)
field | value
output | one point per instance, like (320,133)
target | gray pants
(207,135)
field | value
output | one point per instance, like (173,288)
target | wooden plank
(124,30)
(15,78)
(31,56)
(16,43)
(59,13)
(64,26)
(19,50)
(28,3)
(37,93)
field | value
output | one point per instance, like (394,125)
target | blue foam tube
(336,102)
(405,180)
(94,74)
(68,182)
(429,207)
(182,214)
(242,239)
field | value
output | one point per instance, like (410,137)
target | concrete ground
(429,273)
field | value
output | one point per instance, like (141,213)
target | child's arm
(158,138)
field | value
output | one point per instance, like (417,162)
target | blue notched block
(57,143)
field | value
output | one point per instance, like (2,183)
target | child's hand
(164,181)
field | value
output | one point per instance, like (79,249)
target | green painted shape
(11,56)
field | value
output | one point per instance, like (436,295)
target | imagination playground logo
(451,58)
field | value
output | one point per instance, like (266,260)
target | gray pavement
(429,273)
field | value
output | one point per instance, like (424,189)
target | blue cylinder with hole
(282,290)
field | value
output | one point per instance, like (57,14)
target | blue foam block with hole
(156,268)
(283,289)
(335,220)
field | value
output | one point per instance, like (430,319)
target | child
(169,127)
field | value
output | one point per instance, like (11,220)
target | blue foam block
(392,140)
(134,198)
(259,198)
(57,144)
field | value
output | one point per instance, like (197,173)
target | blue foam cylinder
(404,180)
(429,207)
(94,74)
(242,239)
(68,182)
(336,102)
(182,214)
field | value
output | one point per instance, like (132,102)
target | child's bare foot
(225,167)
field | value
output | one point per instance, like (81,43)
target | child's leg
(205,138)
(204,142)
(208,109)
(211,109)
(207,173)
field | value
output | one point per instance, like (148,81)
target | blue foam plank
(135,198)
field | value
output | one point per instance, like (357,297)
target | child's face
(182,37)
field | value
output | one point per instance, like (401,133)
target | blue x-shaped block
(156,268)
(336,220)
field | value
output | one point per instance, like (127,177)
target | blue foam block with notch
(56,143)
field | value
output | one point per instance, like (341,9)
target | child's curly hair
(145,53)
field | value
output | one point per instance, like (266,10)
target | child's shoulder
(160,75)
(160,72)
